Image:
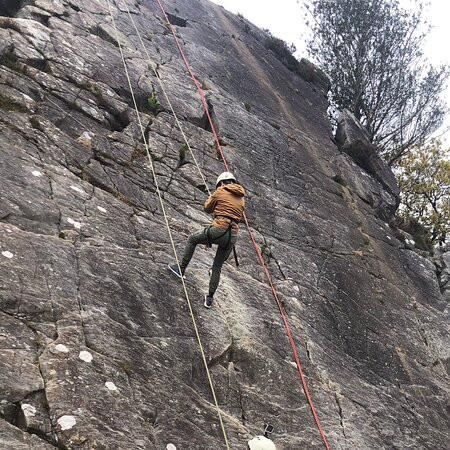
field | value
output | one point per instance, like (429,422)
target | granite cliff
(97,349)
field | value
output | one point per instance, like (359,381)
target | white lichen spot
(85,139)
(111,386)
(36,173)
(170,447)
(7,254)
(76,188)
(61,348)
(85,356)
(74,223)
(66,422)
(101,209)
(293,363)
(28,410)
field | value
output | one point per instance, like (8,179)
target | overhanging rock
(353,140)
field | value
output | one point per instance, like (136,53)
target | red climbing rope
(255,245)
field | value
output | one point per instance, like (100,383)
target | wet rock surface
(97,348)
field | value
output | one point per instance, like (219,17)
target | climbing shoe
(208,300)
(175,269)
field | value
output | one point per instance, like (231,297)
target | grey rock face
(444,284)
(97,348)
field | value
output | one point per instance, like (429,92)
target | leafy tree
(371,49)
(424,180)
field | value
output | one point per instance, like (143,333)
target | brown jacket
(228,201)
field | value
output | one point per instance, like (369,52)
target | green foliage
(9,104)
(205,85)
(282,50)
(216,151)
(125,366)
(152,103)
(165,24)
(10,60)
(424,180)
(139,151)
(372,51)
(39,340)
(339,179)
(182,154)
(123,198)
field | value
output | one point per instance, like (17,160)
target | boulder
(353,139)
(349,129)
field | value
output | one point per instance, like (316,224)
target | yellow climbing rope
(161,84)
(219,413)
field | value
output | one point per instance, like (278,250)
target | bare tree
(372,50)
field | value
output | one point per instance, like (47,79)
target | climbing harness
(210,239)
(228,230)
(255,245)
(155,179)
(232,220)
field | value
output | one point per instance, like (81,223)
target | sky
(285,19)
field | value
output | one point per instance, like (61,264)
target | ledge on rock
(175,20)
(312,74)
(36,14)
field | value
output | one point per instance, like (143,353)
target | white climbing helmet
(261,443)
(224,176)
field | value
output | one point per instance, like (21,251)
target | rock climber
(226,204)
(260,443)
